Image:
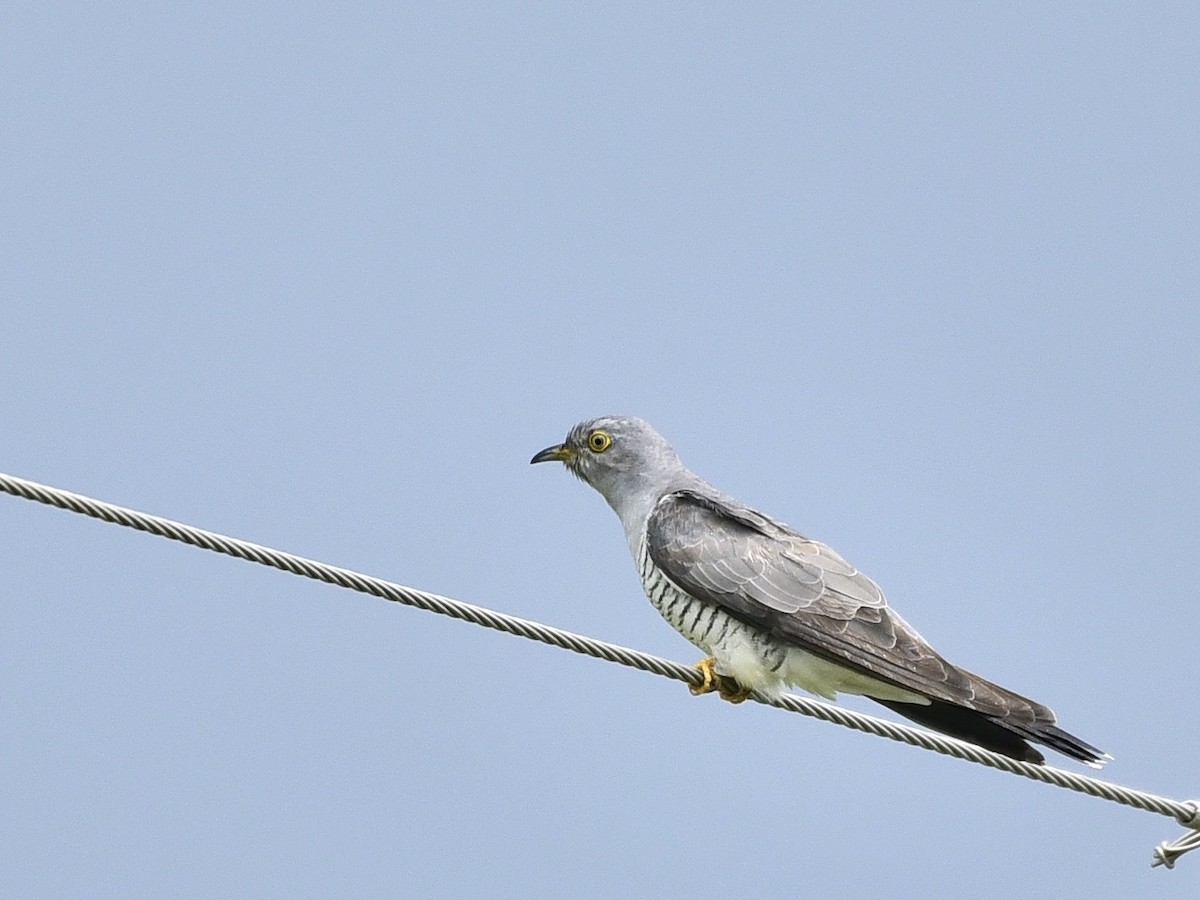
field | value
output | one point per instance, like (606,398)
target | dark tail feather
(1005,737)
(1065,743)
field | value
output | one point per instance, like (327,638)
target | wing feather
(804,593)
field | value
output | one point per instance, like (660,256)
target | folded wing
(803,593)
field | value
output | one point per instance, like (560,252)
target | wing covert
(802,592)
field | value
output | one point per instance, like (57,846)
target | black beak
(557,453)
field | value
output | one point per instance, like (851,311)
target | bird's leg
(731,690)
(706,667)
(726,687)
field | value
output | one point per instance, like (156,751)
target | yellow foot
(726,687)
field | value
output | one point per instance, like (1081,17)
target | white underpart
(750,656)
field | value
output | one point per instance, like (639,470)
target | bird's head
(620,456)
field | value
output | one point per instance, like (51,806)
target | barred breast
(742,651)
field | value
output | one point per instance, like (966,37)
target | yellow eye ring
(599,441)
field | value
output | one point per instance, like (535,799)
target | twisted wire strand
(1187,813)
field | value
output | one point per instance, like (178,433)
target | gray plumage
(776,609)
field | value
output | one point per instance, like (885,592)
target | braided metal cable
(1186,813)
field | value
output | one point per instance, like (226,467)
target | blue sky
(920,281)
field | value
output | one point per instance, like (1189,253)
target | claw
(706,667)
(727,688)
(732,691)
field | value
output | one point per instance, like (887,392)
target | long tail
(1004,736)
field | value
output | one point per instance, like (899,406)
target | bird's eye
(599,441)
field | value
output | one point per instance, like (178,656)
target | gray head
(622,457)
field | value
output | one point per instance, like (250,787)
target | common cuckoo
(772,608)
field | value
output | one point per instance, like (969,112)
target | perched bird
(772,608)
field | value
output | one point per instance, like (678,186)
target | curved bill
(557,453)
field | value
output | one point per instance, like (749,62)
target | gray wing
(803,593)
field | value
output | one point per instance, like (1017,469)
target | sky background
(919,280)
